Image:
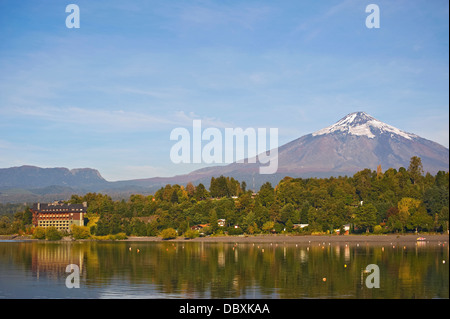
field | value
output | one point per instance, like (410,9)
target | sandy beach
(350,239)
(394,239)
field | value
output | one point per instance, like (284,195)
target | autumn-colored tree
(190,189)
(406,207)
(268,226)
(379,171)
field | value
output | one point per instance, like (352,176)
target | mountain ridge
(355,142)
(32,176)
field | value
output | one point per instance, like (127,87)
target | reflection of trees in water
(223,270)
(45,259)
(287,271)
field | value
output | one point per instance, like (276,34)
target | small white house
(300,226)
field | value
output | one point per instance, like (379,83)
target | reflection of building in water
(347,253)
(58,214)
(51,260)
(303,256)
(221,258)
(337,251)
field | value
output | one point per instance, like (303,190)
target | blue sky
(107,95)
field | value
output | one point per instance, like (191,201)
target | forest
(394,201)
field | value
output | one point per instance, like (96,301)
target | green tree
(363,183)
(5,225)
(200,192)
(420,220)
(102,227)
(443,219)
(219,187)
(415,169)
(233,187)
(191,234)
(80,232)
(366,217)
(213,221)
(289,226)
(249,221)
(316,219)
(52,233)
(167,193)
(435,198)
(27,216)
(137,228)
(168,233)
(288,212)
(268,226)
(244,186)
(266,195)
(39,233)
(115,224)
(377,229)
(174,197)
(261,215)
(152,228)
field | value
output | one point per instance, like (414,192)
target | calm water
(222,270)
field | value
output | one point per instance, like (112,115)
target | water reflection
(222,270)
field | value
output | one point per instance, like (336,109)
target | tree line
(403,200)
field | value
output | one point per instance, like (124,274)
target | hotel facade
(58,214)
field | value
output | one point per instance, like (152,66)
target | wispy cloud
(207,121)
(158,93)
(112,120)
(213,14)
(94,119)
(322,20)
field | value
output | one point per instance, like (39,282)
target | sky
(108,94)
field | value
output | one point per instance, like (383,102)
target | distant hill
(36,177)
(31,184)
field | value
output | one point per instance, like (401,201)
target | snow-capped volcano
(362,124)
(359,141)
(355,142)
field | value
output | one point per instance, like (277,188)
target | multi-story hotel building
(58,214)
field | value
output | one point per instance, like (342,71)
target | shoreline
(304,239)
(285,239)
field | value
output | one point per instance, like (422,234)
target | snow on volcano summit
(362,124)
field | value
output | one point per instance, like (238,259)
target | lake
(31,269)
